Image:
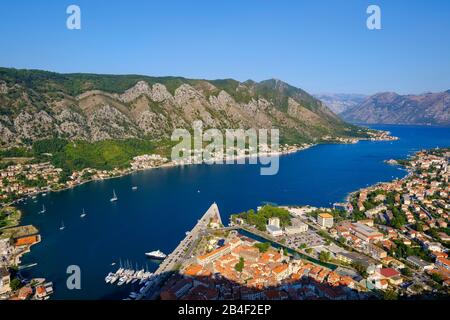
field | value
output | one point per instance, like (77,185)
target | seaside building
(443,262)
(365,233)
(4,281)
(296,229)
(213,255)
(353,257)
(25,293)
(274,222)
(219,252)
(419,263)
(273,227)
(325,220)
(5,245)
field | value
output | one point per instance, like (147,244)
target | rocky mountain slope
(391,108)
(340,102)
(37,104)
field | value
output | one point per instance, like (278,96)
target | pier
(181,252)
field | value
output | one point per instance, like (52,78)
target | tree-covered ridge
(78,83)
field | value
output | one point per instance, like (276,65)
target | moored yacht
(109,277)
(157,254)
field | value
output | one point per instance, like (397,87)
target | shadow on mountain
(217,287)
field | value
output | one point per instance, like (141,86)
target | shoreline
(162,166)
(174,165)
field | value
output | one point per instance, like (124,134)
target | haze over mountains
(392,108)
(38,104)
(340,102)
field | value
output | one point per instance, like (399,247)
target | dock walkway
(181,252)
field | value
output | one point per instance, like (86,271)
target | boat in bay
(157,254)
(114,198)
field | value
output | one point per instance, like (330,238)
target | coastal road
(180,254)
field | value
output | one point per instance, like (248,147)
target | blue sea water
(168,203)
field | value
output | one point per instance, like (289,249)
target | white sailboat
(134,188)
(43,209)
(62,226)
(83,214)
(114,198)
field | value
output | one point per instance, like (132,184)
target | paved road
(182,252)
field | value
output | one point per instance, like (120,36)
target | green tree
(15,284)
(240,265)
(406,272)
(324,256)
(437,277)
(263,247)
(360,268)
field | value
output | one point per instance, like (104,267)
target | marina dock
(181,252)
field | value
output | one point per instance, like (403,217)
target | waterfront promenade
(182,251)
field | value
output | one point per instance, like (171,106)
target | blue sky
(320,45)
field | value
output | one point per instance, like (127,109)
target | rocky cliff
(37,104)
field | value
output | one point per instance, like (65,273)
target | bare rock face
(140,88)
(72,124)
(186,96)
(34,126)
(3,87)
(8,137)
(160,93)
(107,122)
(194,105)
(153,124)
(33,110)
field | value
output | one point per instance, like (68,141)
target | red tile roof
(389,272)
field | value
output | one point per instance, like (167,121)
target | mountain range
(340,102)
(36,105)
(392,108)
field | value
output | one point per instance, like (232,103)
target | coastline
(403,167)
(129,171)
(385,136)
(168,165)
